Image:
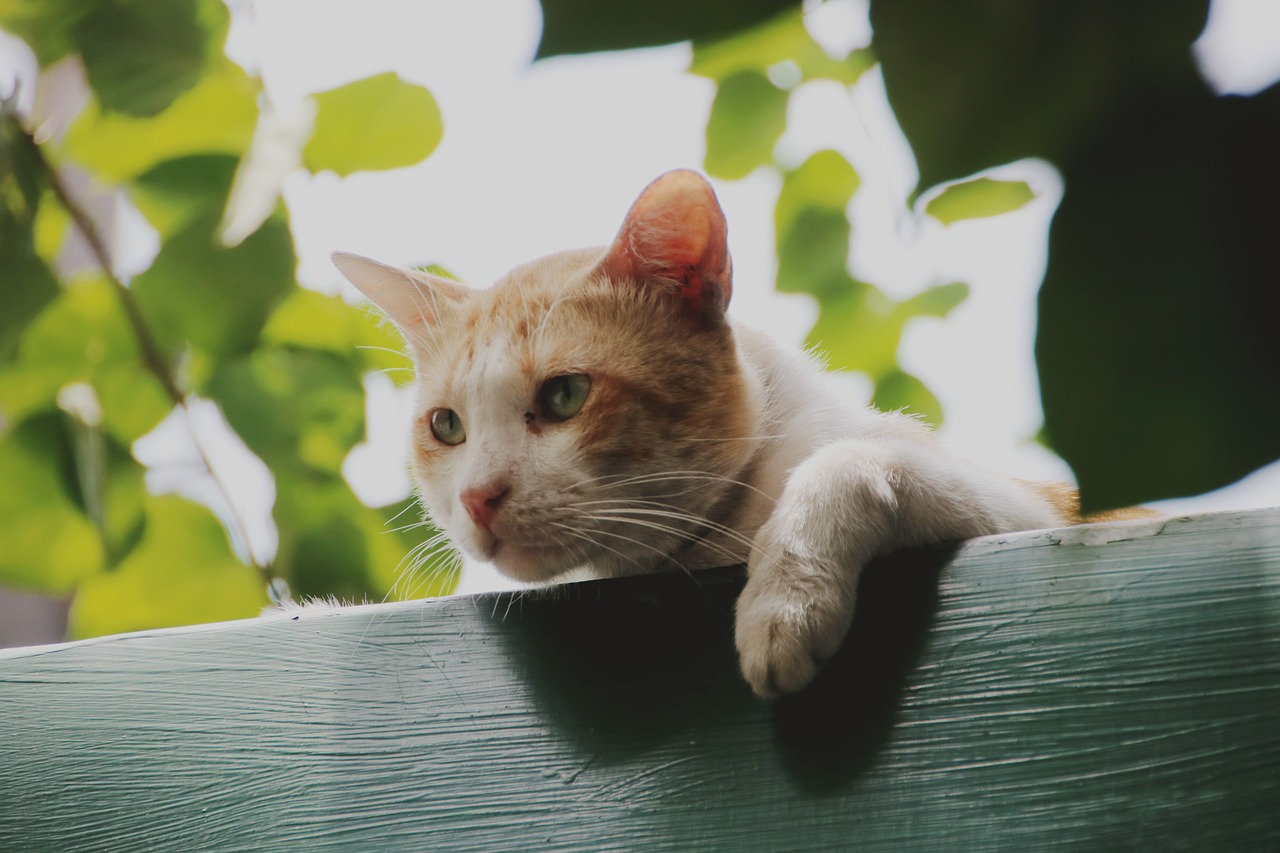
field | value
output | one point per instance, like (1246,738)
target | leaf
(124,499)
(296,409)
(813,253)
(380,122)
(216,116)
(26,283)
(310,320)
(46,26)
(174,192)
(578,26)
(935,301)
(784,39)
(860,328)
(331,544)
(216,299)
(50,545)
(977,198)
(978,86)
(324,547)
(856,329)
(826,181)
(84,337)
(182,572)
(898,391)
(1157,352)
(139,55)
(748,117)
(1152,343)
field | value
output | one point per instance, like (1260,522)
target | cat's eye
(561,397)
(447,426)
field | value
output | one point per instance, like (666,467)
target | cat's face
(588,408)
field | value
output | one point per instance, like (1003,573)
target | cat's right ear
(415,301)
(675,232)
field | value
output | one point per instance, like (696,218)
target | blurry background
(215,184)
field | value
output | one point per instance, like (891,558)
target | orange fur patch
(1066,500)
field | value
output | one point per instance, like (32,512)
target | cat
(598,408)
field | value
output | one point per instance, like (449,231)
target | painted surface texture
(1108,686)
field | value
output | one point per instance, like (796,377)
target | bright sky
(537,158)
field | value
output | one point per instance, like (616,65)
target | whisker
(675,476)
(625,513)
(585,537)
(685,535)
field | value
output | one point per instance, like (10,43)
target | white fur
(850,484)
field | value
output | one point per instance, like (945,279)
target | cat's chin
(530,563)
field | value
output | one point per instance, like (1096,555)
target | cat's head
(589,408)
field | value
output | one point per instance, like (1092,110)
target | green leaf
(856,329)
(26,283)
(813,253)
(84,337)
(825,181)
(296,409)
(310,320)
(182,572)
(784,39)
(331,544)
(47,26)
(123,501)
(978,198)
(50,544)
(748,117)
(898,391)
(579,26)
(324,545)
(139,55)
(1157,350)
(1155,347)
(174,192)
(975,88)
(380,122)
(216,116)
(935,301)
(216,299)
(860,328)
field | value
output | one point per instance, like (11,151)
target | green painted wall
(1114,686)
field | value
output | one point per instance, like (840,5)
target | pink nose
(482,503)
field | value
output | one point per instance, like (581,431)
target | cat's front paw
(791,618)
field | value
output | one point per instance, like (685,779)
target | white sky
(537,158)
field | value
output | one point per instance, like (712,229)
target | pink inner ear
(676,231)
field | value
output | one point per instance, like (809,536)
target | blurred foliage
(1158,364)
(859,326)
(89,364)
(1157,368)
(582,26)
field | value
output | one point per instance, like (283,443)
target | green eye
(447,426)
(561,397)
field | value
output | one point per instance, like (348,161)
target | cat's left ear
(676,232)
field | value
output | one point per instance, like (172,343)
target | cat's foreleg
(851,501)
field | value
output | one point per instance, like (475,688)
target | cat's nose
(482,503)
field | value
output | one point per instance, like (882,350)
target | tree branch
(153,358)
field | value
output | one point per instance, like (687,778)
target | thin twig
(153,358)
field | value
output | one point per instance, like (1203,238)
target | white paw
(791,618)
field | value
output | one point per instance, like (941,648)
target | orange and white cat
(598,409)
